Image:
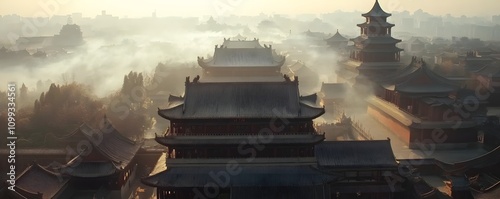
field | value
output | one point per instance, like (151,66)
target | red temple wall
(411,135)
(402,131)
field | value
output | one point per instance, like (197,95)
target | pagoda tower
(337,41)
(374,52)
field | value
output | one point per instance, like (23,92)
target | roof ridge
(376,10)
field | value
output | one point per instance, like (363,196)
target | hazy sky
(139,8)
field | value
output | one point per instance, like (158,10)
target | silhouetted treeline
(128,109)
(56,113)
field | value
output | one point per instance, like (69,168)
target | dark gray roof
(355,154)
(375,40)
(309,33)
(205,100)
(6,193)
(376,24)
(418,78)
(89,169)
(333,90)
(373,188)
(175,100)
(491,70)
(382,50)
(337,37)
(435,101)
(250,176)
(376,11)
(311,100)
(238,139)
(490,194)
(113,146)
(273,192)
(228,43)
(36,179)
(242,57)
(485,160)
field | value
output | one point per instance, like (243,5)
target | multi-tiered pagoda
(374,52)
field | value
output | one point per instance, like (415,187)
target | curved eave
(23,193)
(250,176)
(376,11)
(409,89)
(104,170)
(385,25)
(374,14)
(280,61)
(276,64)
(381,50)
(235,140)
(382,40)
(358,39)
(151,180)
(434,87)
(202,62)
(313,98)
(172,112)
(173,98)
(337,38)
(401,73)
(309,111)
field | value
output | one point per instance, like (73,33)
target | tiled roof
(241,100)
(36,179)
(355,154)
(249,176)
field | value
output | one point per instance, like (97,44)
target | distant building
(69,36)
(446,58)
(309,78)
(488,79)
(408,23)
(35,42)
(496,19)
(307,39)
(242,60)
(415,45)
(212,25)
(337,41)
